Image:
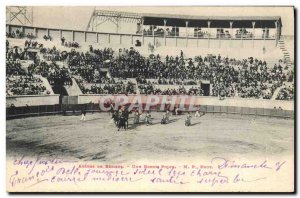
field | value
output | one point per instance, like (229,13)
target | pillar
(231,33)
(253,32)
(60,34)
(265,37)
(142,25)
(97,37)
(73,36)
(85,37)
(276,33)
(242,38)
(165,23)
(186,32)
(9,28)
(219,40)
(23,30)
(208,25)
(197,36)
(153,35)
(35,32)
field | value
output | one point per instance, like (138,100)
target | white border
(108,3)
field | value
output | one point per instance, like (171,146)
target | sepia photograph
(150,99)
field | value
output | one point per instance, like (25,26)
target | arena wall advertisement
(154,103)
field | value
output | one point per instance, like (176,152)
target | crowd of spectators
(25,85)
(55,74)
(286,93)
(52,54)
(87,65)
(13,67)
(15,34)
(247,78)
(73,44)
(19,35)
(116,88)
(151,89)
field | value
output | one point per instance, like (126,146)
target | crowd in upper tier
(228,77)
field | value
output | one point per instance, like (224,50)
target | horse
(115,117)
(122,123)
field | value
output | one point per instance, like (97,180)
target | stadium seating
(91,68)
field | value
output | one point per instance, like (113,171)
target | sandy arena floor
(98,139)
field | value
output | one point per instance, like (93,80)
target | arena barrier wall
(24,106)
(32,100)
(203,100)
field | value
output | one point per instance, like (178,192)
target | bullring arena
(239,69)
(97,139)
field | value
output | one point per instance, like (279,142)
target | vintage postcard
(150,99)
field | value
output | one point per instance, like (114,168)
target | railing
(72,105)
(30,111)
(75,109)
(211,41)
(31,100)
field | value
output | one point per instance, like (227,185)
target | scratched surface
(97,139)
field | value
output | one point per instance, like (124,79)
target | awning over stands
(216,21)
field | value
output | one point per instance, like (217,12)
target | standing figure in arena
(122,122)
(197,113)
(163,120)
(167,116)
(115,117)
(83,113)
(136,117)
(176,111)
(126,115)
(111,108)
(148,118)
(188,119)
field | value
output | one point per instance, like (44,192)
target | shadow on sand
(193,124)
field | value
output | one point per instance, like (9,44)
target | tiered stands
(93,65)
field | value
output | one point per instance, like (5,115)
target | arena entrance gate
(206,88)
